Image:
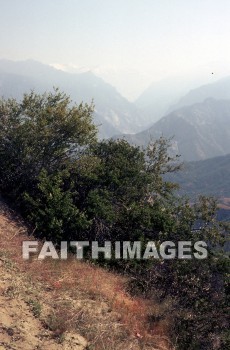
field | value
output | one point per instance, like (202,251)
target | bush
(69,186)
(40,133)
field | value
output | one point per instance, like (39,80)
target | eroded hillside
(68,304)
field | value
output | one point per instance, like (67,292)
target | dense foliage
(70,186)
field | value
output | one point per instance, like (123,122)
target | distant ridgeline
(209,177)
(199,131)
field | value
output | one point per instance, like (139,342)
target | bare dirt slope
(19,328)
(68,304)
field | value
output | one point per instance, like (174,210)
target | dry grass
(80,297)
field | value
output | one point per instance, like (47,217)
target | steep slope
(68,304)
(217,90)
(156,100)
(114,112)
(200,131)
(208,177)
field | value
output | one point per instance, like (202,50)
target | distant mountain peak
(200,131)
(112,111)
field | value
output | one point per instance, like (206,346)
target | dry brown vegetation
(74,303)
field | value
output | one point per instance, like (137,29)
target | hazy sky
(130,43)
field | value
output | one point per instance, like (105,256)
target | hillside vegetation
(69,186)
(69,304)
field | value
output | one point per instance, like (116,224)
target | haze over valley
(198,121)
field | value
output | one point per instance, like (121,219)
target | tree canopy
(40,132)
(70,186)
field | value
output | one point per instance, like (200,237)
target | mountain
(170,94)
(207,177)
(113,112)
(217,90)
(210,177)
(156,100)
(160,97)
(200,131)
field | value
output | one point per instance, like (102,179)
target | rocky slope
(199,131)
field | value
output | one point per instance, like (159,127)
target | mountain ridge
(219,89)
(199,131)
(208,177)
(113,111)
